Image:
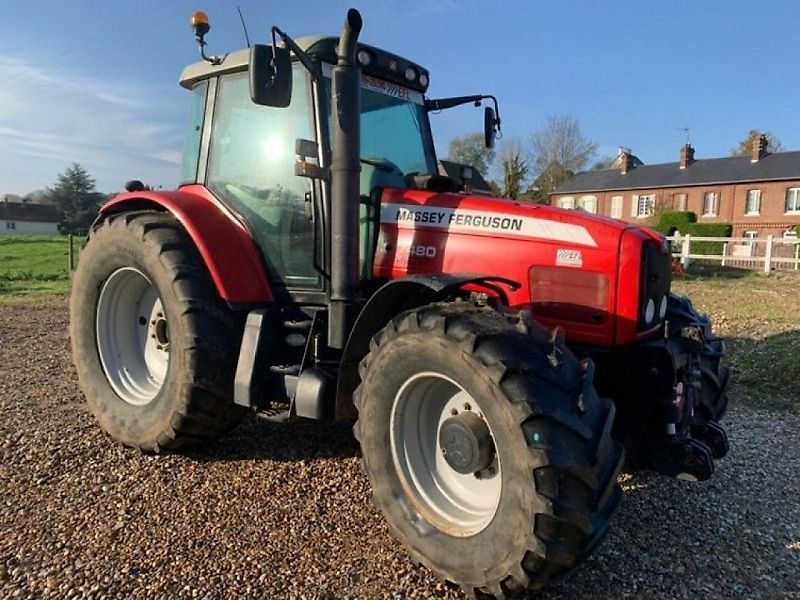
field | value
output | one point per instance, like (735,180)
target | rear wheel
(154,346)
(487,448)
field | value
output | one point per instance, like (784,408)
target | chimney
(687,155)
(625,159)
(759,150)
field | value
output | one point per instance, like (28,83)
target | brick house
(758,194)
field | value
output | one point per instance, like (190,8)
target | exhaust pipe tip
(354,20)
(346,51)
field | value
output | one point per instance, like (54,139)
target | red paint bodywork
(227,248)
(615,252)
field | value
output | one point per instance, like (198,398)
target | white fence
(770,253)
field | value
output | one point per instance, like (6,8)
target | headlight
(423,80)
(650,311)
(662,309)
(364,57)
(410,74)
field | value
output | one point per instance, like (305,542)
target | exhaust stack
(345,169)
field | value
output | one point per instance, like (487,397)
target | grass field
(34,265)
(759,316)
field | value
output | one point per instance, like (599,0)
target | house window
(588,203)
(11,225)
(790,235)
(752,236)
(566,202)
(646,205)
(616,207)
(710,204)
(793,200)
(679,202)
(753,206)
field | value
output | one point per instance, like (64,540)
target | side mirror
(270,76)
(489,131)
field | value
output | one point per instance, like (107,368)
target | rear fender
(390,300)
(224,243)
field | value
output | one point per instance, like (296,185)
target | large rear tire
(540,501)
(154,346)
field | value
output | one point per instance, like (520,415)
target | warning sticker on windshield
(390,89)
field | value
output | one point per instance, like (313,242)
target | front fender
(224,243)
(390,300)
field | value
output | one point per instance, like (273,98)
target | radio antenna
(244,27)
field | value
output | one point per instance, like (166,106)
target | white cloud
(49,119)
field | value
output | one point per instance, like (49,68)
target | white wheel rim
(132,336)
(458,504)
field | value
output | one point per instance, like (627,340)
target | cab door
(251,160)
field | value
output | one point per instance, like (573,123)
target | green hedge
(672,221)
(709,230)
(686,222)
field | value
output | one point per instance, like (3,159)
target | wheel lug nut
(467,406)
(453,412)
(478,475)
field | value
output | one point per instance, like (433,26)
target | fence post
(70,257)
(685,247)
(768,254)
(724,252)
(796,256)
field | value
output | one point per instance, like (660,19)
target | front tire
(536,507)
(154,346)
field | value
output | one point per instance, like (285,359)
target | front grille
(654,284)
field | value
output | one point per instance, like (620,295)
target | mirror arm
(445,103)
(312,67)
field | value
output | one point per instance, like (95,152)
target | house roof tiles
(778,166)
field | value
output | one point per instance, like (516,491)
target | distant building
(20,218)
(466,176)
(758,194)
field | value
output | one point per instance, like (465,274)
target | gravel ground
(283,510)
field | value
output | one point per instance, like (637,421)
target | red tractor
(497,356)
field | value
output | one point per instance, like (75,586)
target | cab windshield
(394,126)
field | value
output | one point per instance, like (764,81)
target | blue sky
(94,81)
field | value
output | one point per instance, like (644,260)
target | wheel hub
(132,336)
(466,443)
(444,454)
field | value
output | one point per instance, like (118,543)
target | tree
(515,163)
(745,147)
(76,199)
(562,143)
(549,179)
(471,150)
(606,162)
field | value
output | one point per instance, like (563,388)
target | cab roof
(322,48)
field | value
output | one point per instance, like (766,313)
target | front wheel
(487,448)
(154,346)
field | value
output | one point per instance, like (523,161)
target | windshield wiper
(383,165)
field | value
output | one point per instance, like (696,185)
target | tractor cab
(270,164)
